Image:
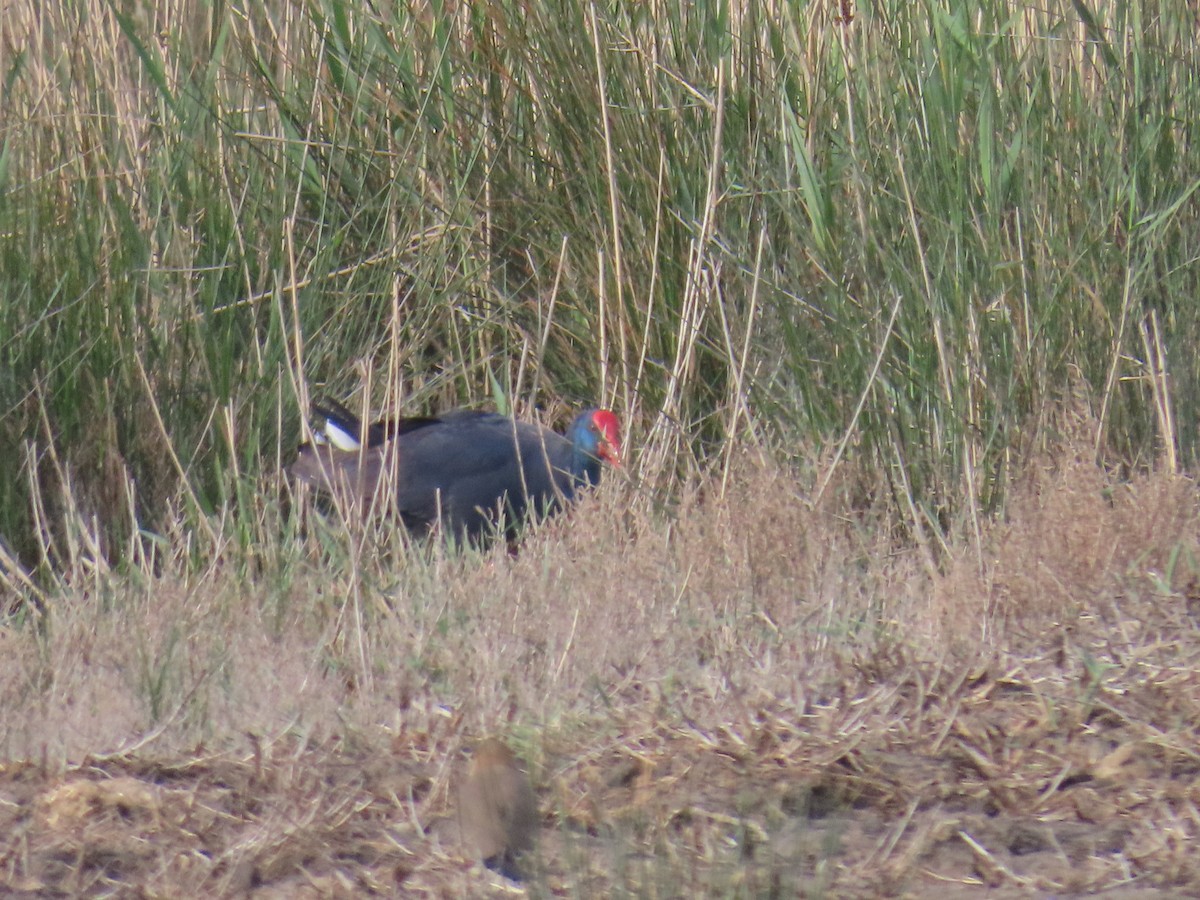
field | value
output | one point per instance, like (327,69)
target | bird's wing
(467,463)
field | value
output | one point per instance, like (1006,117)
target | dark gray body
(464,469)
(471,467)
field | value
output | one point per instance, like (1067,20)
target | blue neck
(585,464)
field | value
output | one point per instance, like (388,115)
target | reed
(705,216)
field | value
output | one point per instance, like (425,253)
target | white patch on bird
(340,437)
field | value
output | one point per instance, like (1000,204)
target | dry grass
(756,699)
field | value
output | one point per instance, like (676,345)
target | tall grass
(914,229)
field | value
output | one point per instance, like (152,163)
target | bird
(466,470)
(497,809)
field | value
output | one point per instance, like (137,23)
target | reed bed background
(912,228)
(896,262)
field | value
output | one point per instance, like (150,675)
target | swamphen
(462,468)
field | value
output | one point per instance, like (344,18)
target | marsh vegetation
(896,589)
